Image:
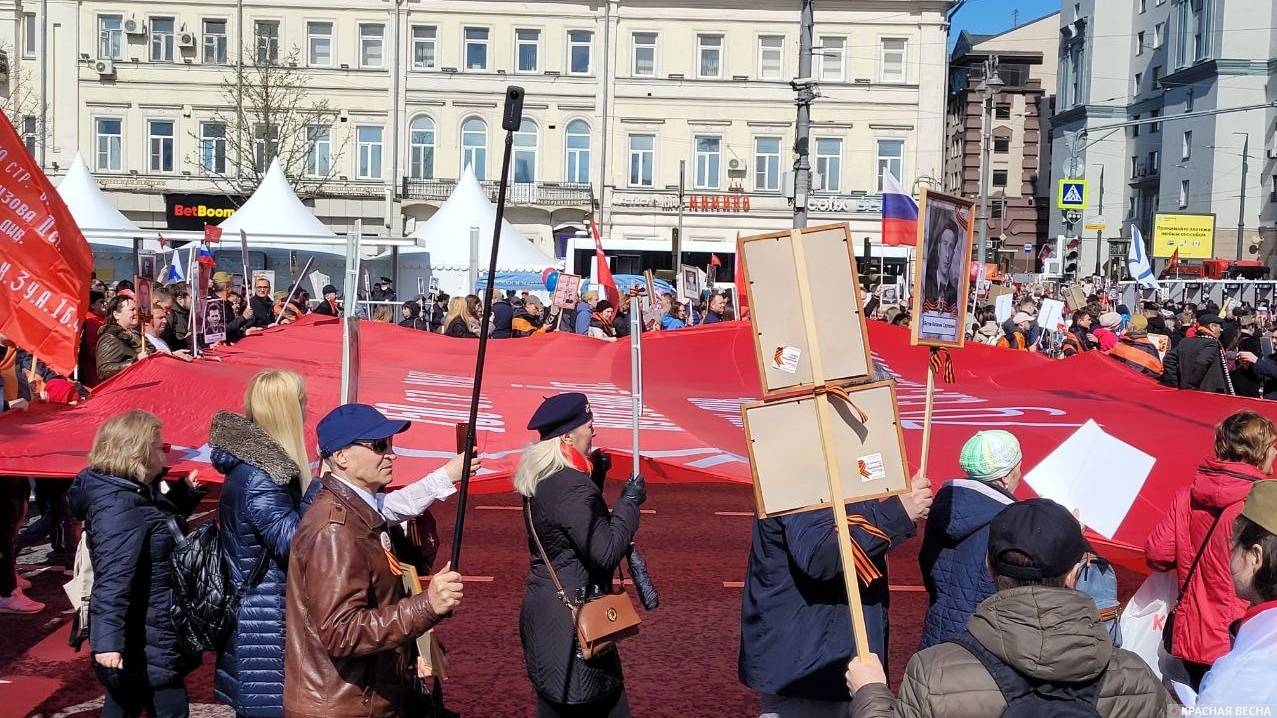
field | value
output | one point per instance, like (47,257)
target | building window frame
(710,44)
(894,162)
(110,39)
(29,128)
(369,153)
(1154,165)
(576,44)
(778,53)
(653,47)
(161,46)
(425,46)
(525,152)
(265,145)
(372,45)
(1159,35)
(707,163)
(475,155)
(642,164)
(1186,146)
(212,157)
(577,158)
(767,163)
(266,44)
(477,42)
(315,36)
(1139,43)
(884,51)
(114,148)
(1183,193)
(30,36)
(1001,145)
(214,44)
(826,161)
(520,43)
(161,150)
(319,151)
(422,145)
(825,54)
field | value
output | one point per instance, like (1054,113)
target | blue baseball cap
(351,423)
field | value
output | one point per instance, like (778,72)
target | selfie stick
(511,121)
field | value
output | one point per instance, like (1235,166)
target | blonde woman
(136,653)
(458,320)
(584,543)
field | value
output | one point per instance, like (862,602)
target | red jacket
(1210,603)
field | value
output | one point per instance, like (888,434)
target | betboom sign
(193,211)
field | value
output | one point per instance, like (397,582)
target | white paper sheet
(1095,473)
(1002,307)
(1051,315)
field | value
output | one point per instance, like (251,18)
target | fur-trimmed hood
(236,440)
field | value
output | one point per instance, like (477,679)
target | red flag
(714,261)
(742,297)
(1174,260)
(45,262)
(212,234)
(163,242)
(604,278)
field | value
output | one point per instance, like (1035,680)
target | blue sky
(994,16)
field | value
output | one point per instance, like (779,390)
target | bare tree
(270,112)
(20,101)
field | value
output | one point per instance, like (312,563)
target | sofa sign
(193,211)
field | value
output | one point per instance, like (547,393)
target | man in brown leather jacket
(350,627)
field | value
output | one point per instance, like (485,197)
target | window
(421,148)
(1130,206)
(644,63)
(1014,74)
(1186,148)
(523,164)
(1159,35)
(1000,178)
(1135,129)
(1157,76)
(767,164)
(109,143)
(709,54)
(1183,194)
(161,30)
(474,146)
(476,48)
(1156,126)
(832,58)
(319,44)
(829,162)
(995,209)
(1188,100)
(30,35)
(578,146)
(212,148)
(1002,112)
(110,37)
(895,51)
(771,57)
(708,161)
(1143,6)
(1138,79)
(214,42)
(319,151)
(265,145)
(372,45)
(1139,43)
(1152,162)
(527,50)
(30,137)
(642,159)
(159,141)
(579,44)
(423,47)
(266,34)
(1201,28)
(891,155)
(1001,145)
(1135,167)
(368,152)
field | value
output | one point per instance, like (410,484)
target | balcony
(542,194)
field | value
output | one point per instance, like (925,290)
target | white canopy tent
(444,250)
(108,232)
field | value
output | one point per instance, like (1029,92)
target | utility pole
(989,86)
(1241,196)
(804,87)
(1099,233)
(678,233)
(43,132)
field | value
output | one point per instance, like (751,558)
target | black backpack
(204,605)
(1029,698)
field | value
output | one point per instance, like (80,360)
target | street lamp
(990,86)
(1241,209)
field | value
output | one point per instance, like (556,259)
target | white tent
(446,238)
(94,213)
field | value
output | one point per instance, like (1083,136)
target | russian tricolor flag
(899,214)
(204,257)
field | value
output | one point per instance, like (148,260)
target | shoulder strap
(554,577)
(1192,568)
(1010,683)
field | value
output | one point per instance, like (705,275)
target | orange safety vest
(1020,343)
(1126,350)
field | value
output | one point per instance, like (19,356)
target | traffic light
(1071,254)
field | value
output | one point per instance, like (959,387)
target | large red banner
(44,261)
(694,383)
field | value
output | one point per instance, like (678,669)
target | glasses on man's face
(378,446)
(263,287)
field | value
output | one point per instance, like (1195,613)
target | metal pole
(803,88)
(678,243)
(986,161)
(636,378)
(1241,197)
(239,90)
(473,275)
(395,73)
(1099,233)
(45,57)
(350,318)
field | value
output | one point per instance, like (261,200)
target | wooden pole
(830,452)
(926,414)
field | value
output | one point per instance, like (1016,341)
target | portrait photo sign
(941,280)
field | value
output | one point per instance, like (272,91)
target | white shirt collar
(373,500)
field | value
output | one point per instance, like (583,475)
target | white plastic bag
(1144,618)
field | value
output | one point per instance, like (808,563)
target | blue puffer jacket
(130,543)
(954,555)
(260,507)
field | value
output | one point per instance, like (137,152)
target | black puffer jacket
(586,543)
(129,544)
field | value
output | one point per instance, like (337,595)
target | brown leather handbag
(600,622)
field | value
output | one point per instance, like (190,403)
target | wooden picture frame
(939,307)
(785,448)
(780,336)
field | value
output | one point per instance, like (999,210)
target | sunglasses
(379,446)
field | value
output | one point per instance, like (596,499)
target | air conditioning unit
(105,68)
(733,164)
(186,39)
(133,26)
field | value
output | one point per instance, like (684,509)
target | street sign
(1071,194)
(1072,216)
(1028,249)
(1095,227)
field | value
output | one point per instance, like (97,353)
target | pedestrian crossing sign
(1071,194)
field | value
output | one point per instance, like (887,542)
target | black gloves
(648,595)
(602,464)
(635,490)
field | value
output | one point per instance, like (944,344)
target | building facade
(1019,168)
(1158,62)
(620,94)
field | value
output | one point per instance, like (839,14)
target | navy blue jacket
(261,505)
(502,320)
(795,628)
(130,543)
(953,558)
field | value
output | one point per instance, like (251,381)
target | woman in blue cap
(584,543)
